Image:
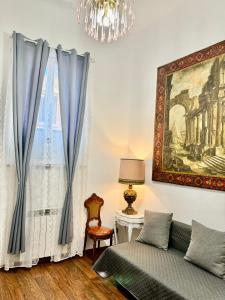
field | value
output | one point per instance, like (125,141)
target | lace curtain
(46,183)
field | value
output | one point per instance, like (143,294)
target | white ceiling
(63,2)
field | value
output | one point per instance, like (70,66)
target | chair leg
(85,242)
(111,238)
(98,243)
(94,247)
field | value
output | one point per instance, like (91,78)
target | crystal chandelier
(106,20)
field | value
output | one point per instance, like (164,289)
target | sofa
(149,273)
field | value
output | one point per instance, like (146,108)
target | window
(48,142)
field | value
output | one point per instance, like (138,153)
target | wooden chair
(96,233)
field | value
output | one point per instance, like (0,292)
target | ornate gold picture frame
(189,143)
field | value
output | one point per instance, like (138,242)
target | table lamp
(132,172)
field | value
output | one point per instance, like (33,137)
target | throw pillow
(207,249)
(156,229)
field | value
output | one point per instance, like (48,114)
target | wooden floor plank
(63,279)
(71,279)
(48,285)
(9,287)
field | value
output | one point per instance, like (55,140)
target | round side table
(129,221)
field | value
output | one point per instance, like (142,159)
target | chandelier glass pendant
(106,20)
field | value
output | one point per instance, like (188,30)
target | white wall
(123,83)
(165,31)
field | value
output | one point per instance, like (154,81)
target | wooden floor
(70,279)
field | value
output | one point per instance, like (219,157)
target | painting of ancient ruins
(190,120)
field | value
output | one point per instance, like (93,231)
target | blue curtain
(29,64)
(72,72)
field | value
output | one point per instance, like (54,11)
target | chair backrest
(93,205)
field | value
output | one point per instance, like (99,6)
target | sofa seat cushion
(151,273)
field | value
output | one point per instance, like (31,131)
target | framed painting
(189,143)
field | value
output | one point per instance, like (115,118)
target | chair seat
(99,231)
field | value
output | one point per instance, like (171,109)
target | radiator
(44,237)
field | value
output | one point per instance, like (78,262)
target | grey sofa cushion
(156,229)
(180,236)
(207,249)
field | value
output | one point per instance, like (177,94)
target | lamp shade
(132,171)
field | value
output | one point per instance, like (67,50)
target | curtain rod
(92,60)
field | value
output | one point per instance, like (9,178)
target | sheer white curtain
(46,181)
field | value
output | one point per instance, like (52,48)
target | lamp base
(129,211)
(130,196)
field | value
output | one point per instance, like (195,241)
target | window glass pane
(48,143)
